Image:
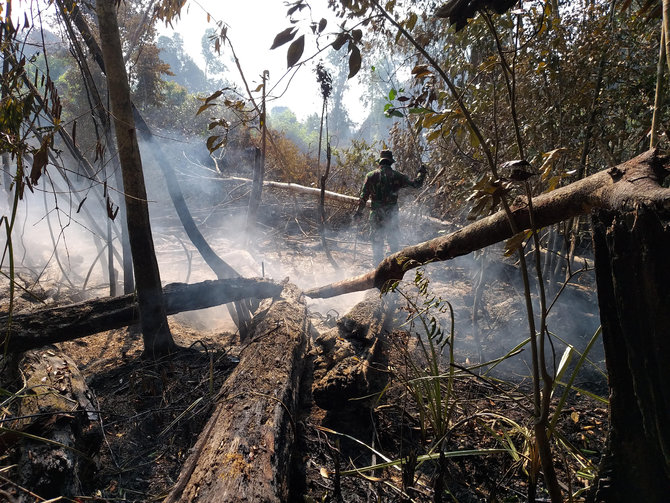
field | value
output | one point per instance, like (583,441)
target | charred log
(57,425)
(351,358)
(65,323)
(244,450)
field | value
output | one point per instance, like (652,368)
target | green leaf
(434,135)
(411,21)
(433,119)
(420,110)
(474,141)
(513,243)
(392,94)
(295,51)
(283,37)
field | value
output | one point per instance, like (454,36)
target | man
(381,187)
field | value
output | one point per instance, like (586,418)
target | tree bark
(240,310)
(351,359)
(631,251)
(244,452)
(635,181)
(65,323)
(155,330)
(56,405)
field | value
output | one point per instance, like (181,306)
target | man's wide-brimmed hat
(386,157)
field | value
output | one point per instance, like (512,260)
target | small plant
(424,380)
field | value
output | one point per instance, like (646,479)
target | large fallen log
(630,183)
(64,323)
(243,453)
(57,425)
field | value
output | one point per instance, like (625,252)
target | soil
(152,412)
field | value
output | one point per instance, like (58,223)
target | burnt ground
(151,413)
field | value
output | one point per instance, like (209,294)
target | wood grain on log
(243,453)
(64,323)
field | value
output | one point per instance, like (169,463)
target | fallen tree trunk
(327,194)
(57,425)
(64,323)
(243,453)
(633,182)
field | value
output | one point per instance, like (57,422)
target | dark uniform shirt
(382,185)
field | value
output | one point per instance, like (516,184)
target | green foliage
(351,165)
(305,134)
(432,390)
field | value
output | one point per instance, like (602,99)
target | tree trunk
(244,451)
(240,311)
(65,323)
(155,330)
(631,251)
(259,172)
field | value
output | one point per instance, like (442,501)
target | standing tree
(155,330)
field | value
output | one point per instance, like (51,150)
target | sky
(252,30)
(252,27)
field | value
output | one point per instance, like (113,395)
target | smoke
(500,325)
(59,235)
(285,245)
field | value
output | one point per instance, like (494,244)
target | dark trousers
(384,227)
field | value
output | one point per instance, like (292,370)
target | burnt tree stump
(351,358)
(244,451)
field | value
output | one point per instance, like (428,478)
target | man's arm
(418,182)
